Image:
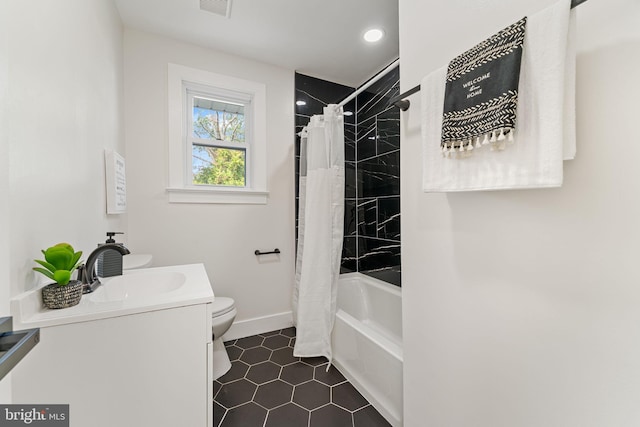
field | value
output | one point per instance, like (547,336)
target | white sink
(136,291)
(137,286)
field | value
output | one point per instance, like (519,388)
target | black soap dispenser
(110,262)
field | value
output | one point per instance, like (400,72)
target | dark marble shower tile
(364,126)
(350,132)
(350,112)
(349,143)
(301,121)
(317,93)
(366,142)
(349,151)
(297,172)
(297,208)
(377,254)
(349,255)
(350,183)
(388,221)
(376,98)
(367,217)
(391,275)
(296,146)
(391,79)
(350,217)
(388,130)
(379,176)
(374,144)
(375,103)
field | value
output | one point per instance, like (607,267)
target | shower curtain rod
(371,81)
(404,104)
(362,88)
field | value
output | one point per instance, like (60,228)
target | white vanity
(136,352)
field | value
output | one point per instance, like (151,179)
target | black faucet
(87,272)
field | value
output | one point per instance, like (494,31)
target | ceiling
(320,38)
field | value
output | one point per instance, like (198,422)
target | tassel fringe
(497,138)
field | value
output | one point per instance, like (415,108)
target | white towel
(545,128)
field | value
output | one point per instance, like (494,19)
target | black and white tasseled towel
(481,94)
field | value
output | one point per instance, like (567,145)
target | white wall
(5,384)
(65,108)
(223,237)
(521,308)
(61,92)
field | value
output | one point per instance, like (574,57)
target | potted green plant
(60,261)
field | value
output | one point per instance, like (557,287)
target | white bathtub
(367,341)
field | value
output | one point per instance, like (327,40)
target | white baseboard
(258,325)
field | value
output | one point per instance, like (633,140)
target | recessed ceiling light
(373,35)
(348,113)
(301,103)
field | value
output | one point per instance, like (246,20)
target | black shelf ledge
(14,345)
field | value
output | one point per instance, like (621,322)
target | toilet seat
(222,305)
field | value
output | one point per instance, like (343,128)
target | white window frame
(183,80)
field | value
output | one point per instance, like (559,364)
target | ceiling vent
(219,7)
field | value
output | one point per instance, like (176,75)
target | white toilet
(224,311)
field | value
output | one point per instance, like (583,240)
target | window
(217,138)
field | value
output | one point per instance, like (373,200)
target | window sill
(217,195)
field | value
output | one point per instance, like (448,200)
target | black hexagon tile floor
(268,387)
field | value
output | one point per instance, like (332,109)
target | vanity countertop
(136,291)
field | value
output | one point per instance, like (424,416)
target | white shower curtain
(320,232)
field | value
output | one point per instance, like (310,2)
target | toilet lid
(222,305)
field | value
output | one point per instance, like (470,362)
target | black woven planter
(55,296)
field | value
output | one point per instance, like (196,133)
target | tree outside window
(218,128)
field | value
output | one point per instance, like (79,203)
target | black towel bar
(404,104)
(275,251)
